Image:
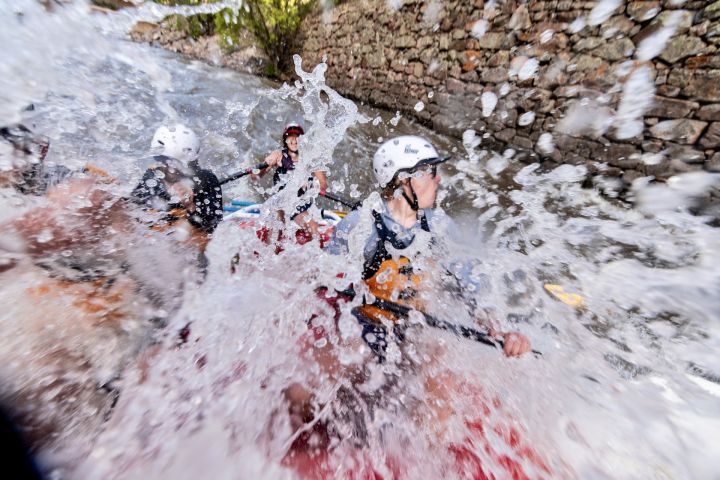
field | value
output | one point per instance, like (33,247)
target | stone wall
(544,61)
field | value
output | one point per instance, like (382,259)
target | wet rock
(678,166)
(589,43)
(506,135)
(614,26)
(684,130)
(713,164)
(494,75)
(520,19)
(643,11)
(498,59)
(712,11)
(619,155)
(143,31)
(711,138)
(587,62)
(470,59)
(686,19)
(713,31)
(612,172)
(454,86)
(631,175)
(668,91)
(671,108)
(495,41)
(659,170)
(684,153)
(615,50)
(704,61)
(682,47)
(700,29)
(709,112)
(697,84)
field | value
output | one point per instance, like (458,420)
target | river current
(627,385)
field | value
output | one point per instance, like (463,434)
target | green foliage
(172,3)
(228,27)
(271,71)
(112,4)
(275,24)
(195,25)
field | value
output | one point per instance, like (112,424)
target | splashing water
(602,11)
(654,45)
(638,95)
(489,101)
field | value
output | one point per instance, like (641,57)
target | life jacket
(390,279)
(286,165)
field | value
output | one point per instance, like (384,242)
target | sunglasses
(431,169)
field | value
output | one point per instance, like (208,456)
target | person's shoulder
(338,243)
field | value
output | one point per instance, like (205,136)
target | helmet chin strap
(413,202)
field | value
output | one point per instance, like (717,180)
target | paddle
(241,174)
(348,203)
(330,196)
(433,322)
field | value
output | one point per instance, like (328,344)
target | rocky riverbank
(173,34)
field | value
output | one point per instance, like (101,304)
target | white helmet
(177,141)
(403,154)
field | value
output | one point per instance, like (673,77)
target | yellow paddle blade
(572,299)
(340,213)
(100,173)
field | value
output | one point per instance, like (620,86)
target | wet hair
(388,192)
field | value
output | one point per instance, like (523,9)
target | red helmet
(293,129)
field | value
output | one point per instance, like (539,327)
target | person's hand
(274,159)
(515,344)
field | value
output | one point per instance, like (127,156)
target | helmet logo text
(409,149)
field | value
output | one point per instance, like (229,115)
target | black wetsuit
(207,192)
(287,165)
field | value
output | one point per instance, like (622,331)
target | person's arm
(322,180)
(471,281)
(62,224)
(273,160)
